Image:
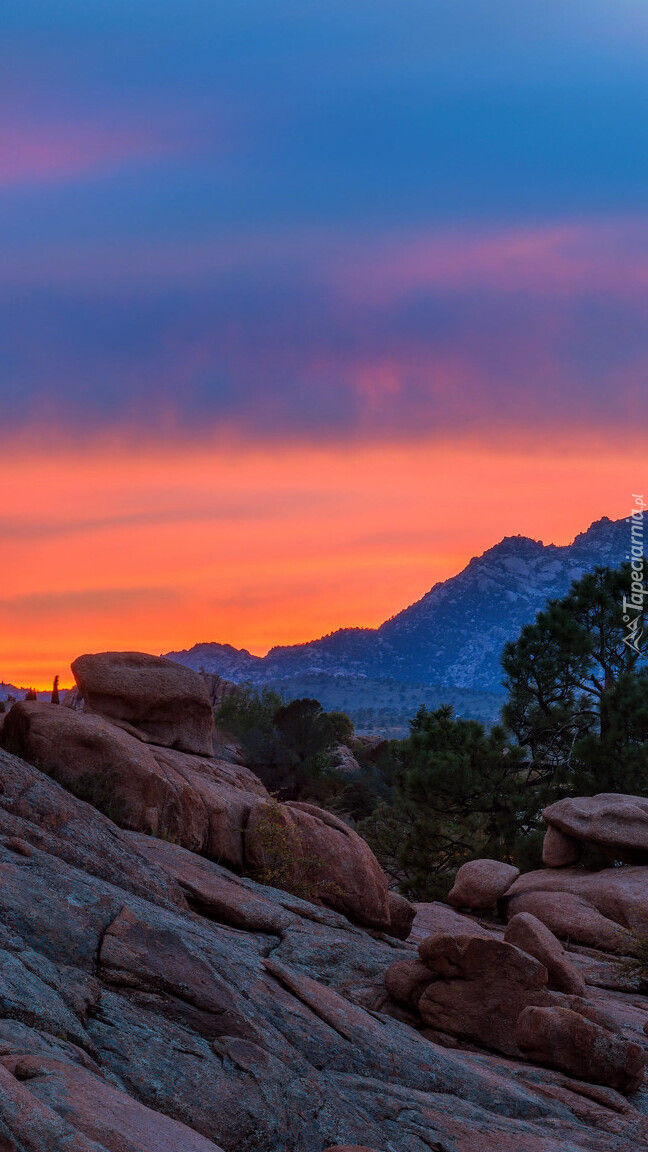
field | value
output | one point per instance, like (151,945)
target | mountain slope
(454,635)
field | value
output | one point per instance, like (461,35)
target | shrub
(284,863)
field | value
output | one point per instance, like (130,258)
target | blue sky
(303,304)
(194,198)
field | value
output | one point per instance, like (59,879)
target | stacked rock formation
(142,749)
(606,908)
(502,997)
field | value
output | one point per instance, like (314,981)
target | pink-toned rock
(324,853)
(223,898)
(350,1148)
(406,980)
(601,909)
(228,792)
(533,937)
(479,988)
(559,850)
(135,953)
(479,884)
(610,820)
(109,768)
(435,918)
(156,699)
(567,1041)
(401,916)
(208,806)
(100,1112)
(27,1125)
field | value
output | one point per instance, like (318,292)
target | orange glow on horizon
(161,548)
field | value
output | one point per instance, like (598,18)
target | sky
(304,304)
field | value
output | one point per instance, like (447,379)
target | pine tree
(572,683)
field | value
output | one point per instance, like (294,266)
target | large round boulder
(314,851)
(479,884)
(616,823)
(156,699)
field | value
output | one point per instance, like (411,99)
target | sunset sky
(303,303)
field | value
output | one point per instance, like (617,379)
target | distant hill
(10,691)
(450,639)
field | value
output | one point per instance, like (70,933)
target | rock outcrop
(109,768)
(610,821)
(568,1041)
(153,1000)
(601,909)
(156,699)
(479,988)
(479,884)
(533,937)
(496,995)
(214,807)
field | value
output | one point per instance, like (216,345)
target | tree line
(575,722)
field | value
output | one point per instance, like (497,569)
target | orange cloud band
(161,547)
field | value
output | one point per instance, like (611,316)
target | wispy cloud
(57,152)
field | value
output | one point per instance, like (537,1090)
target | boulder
(318,856)
(600,909)
(569,1042)
(350,1148)
(401,916)
(559,850)
(406,981)
(479,884)
(156,699)
(479,988)
(434,918)
(107,767)
(533,937)
(612,821)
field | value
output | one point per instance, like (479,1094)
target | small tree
(572,683)
(457,795)
(55,691)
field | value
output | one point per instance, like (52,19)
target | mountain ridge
(453,635)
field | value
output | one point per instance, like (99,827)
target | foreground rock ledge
(131,1022)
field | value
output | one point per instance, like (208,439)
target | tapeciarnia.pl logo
(633,606)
